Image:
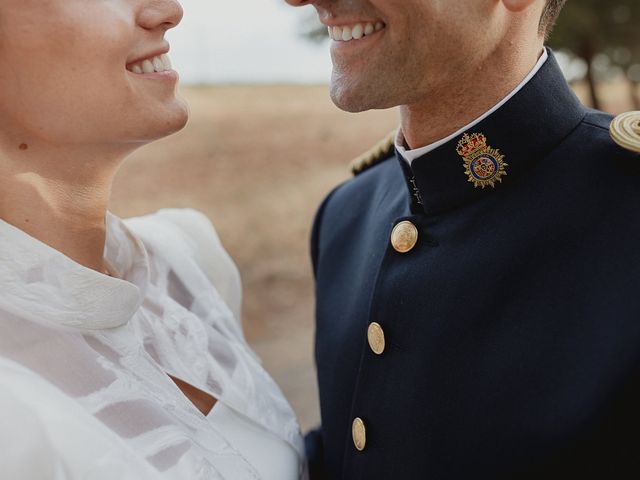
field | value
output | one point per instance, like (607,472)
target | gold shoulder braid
(375,155)
(625,131)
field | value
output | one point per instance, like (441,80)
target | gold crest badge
(483,165)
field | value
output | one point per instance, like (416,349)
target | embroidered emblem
(416,191)
(483,165)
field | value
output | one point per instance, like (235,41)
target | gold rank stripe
(375,155)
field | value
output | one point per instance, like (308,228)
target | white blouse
(84,358)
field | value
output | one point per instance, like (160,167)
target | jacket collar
(524,130)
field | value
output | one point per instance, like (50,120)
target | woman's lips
(157,64)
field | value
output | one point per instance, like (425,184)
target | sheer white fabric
(265,452)
(84,357)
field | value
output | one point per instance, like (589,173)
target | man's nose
(298,3)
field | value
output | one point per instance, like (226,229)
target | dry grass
(258,161)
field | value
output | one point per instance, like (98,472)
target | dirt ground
(258,161)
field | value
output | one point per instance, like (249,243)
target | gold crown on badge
(484,165)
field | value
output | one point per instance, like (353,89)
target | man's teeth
(160,63)
(354,32)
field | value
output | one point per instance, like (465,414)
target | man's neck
(464,100)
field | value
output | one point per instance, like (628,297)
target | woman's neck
(59,197)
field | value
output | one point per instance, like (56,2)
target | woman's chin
(167,122)
(179,119)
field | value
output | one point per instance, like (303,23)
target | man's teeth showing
(160,63)
(354,32)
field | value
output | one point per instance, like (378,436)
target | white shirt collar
(411,155)
(44,285)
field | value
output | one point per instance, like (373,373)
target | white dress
(84,358)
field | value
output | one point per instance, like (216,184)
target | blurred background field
(258,160)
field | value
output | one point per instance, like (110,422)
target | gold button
(404,237)
(359,434)
(375,335)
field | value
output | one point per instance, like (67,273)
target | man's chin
(356,97)
(350,99)
(348,106)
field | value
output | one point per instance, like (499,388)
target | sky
(246,41)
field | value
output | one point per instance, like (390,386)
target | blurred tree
(311,26)
(591,28)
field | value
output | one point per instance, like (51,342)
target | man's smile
(356,31)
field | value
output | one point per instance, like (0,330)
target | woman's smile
(153,63)
(153,66)
(123,51)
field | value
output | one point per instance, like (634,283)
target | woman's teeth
(354,32)
(160,63)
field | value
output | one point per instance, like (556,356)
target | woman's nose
(163,14)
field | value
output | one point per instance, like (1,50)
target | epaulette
(625,131)
(375,155)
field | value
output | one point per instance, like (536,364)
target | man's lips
(354,31)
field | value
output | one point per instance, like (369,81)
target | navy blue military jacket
(512,328)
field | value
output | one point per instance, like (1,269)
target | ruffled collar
(42,284)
